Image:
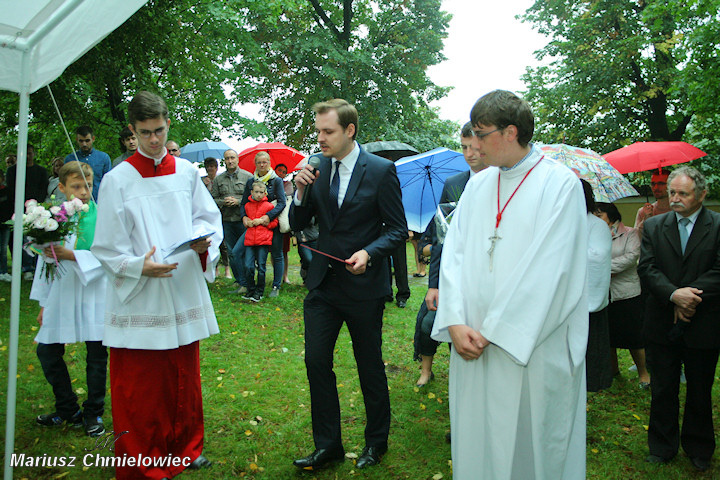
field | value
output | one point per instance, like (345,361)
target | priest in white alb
(513,302)
(158,236)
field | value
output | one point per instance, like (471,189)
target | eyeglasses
(173,149)
(480,135)
(159,132)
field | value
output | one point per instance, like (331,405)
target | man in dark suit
(354,193)
(680,269)
(452,189)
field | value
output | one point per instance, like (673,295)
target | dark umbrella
(390,149)
(642,156)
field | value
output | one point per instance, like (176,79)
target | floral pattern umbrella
(608,184)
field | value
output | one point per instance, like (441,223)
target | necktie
(683,232)
(335,189)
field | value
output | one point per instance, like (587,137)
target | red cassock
(156,395)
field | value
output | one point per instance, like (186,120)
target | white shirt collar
(157,161)
(692,217)
(351,158)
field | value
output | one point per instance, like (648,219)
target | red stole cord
(500,212)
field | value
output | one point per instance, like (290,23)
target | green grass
(257,402)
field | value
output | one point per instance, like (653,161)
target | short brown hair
(146,105)
(501,109)
(75,168)
(259,183)
(347,113)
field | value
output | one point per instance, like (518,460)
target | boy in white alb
(72,310)
(158,304)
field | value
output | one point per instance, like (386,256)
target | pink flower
(31,203)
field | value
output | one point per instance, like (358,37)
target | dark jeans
(276,249)
(4,240)
(278,259)
(253,254)
(56,373)
(232,232)
(306,254)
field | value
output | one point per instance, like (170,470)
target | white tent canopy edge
(39,39)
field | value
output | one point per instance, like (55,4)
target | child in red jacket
(258,238)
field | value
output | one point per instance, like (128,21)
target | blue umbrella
(422,178)
(199,151)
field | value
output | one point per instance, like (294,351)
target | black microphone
(315,163)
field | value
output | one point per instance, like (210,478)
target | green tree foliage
(182,49)
(206,56)
(373,54)
(620,71)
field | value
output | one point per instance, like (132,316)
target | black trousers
(326,309)
(56,373)
(697,435)
(399,264)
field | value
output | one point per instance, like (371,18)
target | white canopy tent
(39,39)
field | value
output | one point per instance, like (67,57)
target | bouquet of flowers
(46,225)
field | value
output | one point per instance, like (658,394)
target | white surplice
(74,302)
(136,214)
(518,412)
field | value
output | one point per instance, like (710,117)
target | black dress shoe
(370,456)
(200,462)
(402,303)
(319,458)
(700,464)
(656,459)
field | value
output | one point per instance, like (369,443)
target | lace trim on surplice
(160,321)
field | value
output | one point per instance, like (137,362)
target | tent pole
(20,175)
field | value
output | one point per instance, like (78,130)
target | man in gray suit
(452,190)
(680,270)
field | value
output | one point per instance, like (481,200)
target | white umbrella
(39,39)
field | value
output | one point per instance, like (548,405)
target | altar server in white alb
(152,238)
(513,302)
(72,310)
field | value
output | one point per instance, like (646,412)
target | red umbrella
(279,153)
(642,156)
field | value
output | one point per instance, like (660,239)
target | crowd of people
(535,286)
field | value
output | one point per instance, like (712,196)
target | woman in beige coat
(625,311)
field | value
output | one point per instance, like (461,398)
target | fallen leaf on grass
(431,395)
(422,406)
(248,433)
(31,367)
(636,416)
(594,450)
(221,370)
(437,476)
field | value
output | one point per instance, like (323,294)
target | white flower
(55,210)
(85,207)
(45,214)
(31,203)
(40,223)
(52,225)
(77,203)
